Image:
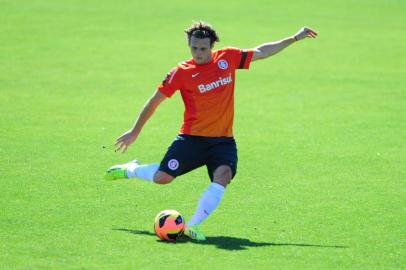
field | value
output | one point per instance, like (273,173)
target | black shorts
(189,152)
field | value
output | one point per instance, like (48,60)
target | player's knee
(163,178)
(223,175)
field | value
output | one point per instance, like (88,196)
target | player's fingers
(119,143)
(119,139)
(307,30)
(123,148)
(310,34)
(120,147)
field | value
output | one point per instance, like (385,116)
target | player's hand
(125,140)
(304,33)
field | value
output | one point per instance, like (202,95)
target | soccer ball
(169,225)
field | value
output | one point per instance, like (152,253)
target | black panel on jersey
(243,58)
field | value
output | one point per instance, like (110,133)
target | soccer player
(206,83)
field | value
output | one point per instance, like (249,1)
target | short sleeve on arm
(246,57)
(240,57)
(171,83)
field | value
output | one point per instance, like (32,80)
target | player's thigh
(186,153)
(222,158)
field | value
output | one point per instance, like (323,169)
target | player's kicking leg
(132,169)
(193,232)
(208,202)
(120,171)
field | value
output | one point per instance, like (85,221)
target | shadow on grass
(227,242)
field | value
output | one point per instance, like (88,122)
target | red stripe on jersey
(173,74)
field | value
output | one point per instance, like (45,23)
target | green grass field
(321,131)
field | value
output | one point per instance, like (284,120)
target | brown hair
(201,29)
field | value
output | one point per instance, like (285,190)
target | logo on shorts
(223,64)
(173,164)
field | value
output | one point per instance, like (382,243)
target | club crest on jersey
(223,64)
(213,85)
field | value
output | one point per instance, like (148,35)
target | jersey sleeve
(171,83)
(240,58)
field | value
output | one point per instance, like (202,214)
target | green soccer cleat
(118,171)
(193,232)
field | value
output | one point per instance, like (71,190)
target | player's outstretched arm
(125,140)
(267,49)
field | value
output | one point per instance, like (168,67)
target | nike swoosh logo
(194,75)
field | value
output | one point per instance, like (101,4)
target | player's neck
(208,60)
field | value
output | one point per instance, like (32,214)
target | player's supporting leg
(209,201)
(133,169)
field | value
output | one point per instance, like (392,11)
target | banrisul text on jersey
(213,85)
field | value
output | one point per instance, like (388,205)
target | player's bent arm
(147,111)
(267,49)
(124,141)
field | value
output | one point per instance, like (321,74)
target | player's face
(201,49)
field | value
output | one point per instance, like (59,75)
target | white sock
(209,201)
(145,172)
